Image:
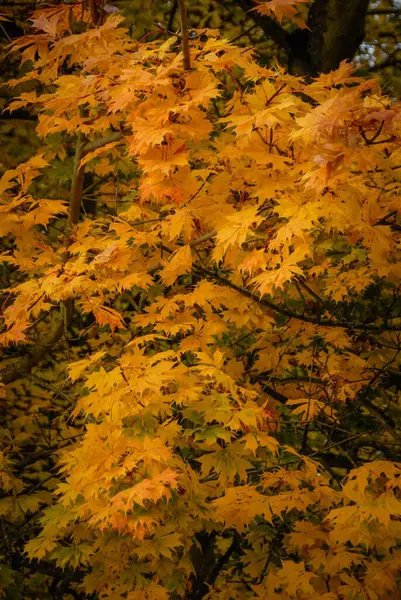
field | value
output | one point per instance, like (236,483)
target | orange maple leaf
(282,8)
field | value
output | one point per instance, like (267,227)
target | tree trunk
(336,30)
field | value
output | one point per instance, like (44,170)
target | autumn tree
(369,33)
(333,30)
(201,378)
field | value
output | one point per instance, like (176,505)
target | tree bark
(336,30)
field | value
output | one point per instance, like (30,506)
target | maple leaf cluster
(207,322)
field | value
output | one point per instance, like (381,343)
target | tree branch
(208,572)
(47,568)
(184,34)
(172,15)
(384,11)
(115,136)
(33,355)
(270,28)
(74,208)
(289,313)
(224,558)
(61,317)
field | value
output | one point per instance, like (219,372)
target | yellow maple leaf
(309,408)
(75,369)
(39,547)
(240,505)
(104,315)
(235,234)
(179,263)
(165,158)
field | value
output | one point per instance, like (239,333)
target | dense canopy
(200,302)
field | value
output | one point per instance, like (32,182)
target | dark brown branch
(312,293)
(289,313)
(270,28)
(18,115)
(172,15)
(209,569)
(94,11)
(62,316)
(184,34)
(34,354)
(77,186)
(383,220)
(384,11)
(224,558)
(47,568)
(115,136)
(274,394)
